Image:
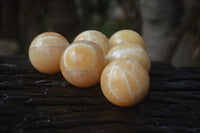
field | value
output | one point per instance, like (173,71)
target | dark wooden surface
(35,102)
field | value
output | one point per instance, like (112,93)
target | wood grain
(35,102)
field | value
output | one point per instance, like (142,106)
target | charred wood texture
(35,102)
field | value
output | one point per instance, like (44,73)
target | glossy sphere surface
(82,63)
(124,82)
(96,37)
(126,36)
(130,50)
(46,50)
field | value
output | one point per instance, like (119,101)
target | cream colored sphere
(46,50)
(82,63)
(96,37)
(124,82)
(130,50)
(126,36)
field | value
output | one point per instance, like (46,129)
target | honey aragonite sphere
(130,50)
(96,37)
(82,63)
(126,36)
(124,82)
(46,50)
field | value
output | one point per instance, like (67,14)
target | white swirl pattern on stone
(124,73)
(73,58)
(53,38)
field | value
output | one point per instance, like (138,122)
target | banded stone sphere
(46,50)
(82,63)
(130,50)
(126,36)
(124,82)
(96,37)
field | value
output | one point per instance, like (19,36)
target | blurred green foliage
(96,15)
